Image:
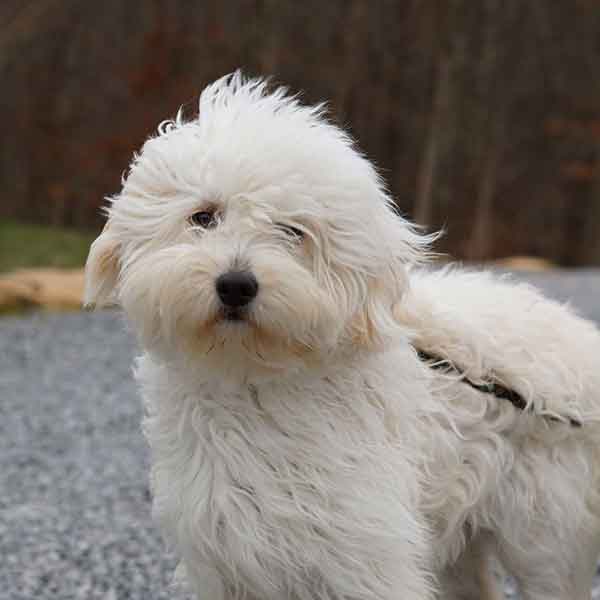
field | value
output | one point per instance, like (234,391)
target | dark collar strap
(437,362)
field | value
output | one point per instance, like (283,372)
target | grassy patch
(23,245)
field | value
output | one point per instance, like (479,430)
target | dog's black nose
(237,288)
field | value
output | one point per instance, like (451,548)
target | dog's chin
(234,345)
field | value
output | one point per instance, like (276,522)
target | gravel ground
(74,502)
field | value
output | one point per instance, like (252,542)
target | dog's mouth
(234,315)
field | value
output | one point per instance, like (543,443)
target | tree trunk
(492,125)
(423,211)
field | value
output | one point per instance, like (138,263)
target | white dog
(316,405)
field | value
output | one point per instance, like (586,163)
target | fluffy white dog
(327,420)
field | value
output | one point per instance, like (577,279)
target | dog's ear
(405,246)
(102,269)
(375,322)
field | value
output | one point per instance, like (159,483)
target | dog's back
(494,329)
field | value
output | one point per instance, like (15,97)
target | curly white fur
(305,451)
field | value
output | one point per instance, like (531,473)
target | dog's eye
(292,232)
(204,219)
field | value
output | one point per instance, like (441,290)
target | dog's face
(254,238)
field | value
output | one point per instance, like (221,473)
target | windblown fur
(302,449)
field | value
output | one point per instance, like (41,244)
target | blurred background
(484,117)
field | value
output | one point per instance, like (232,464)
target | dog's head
(254,237)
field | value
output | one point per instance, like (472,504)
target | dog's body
(302,448)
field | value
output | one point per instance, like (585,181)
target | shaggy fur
(304,450)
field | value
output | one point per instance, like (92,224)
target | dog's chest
(253,481)
(271,457)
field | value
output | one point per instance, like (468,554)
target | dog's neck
(229,378)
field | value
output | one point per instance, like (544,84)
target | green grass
(28,246)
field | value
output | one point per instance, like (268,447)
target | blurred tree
(495,98)
(484,117)
(440,113)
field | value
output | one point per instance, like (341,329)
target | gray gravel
(74,502)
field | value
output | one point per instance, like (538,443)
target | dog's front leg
(206,583)
(473,576)
(367,583)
